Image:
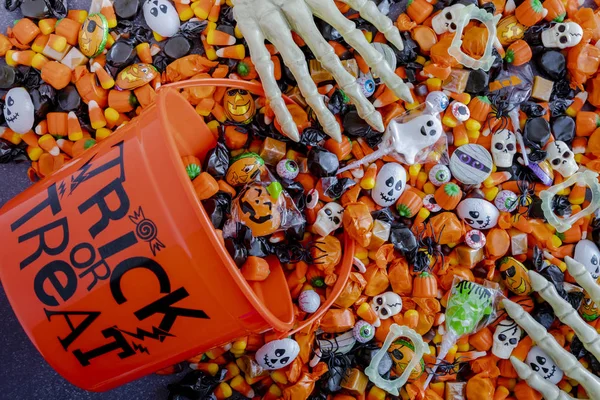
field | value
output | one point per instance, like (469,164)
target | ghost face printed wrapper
(19,110)
(161,17)
(389,185)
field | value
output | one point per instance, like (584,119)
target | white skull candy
(19,110)
(561,158)
(329,218)
(277,354)
(161,17)
(541,363)
(410,138)
(588,254)
(478,213)
(506,338)
(387,304)
(389,185)
(562,35)
(504,147)
(445,21)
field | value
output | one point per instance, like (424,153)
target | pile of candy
(482,188)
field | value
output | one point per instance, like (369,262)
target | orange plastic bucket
(113,267)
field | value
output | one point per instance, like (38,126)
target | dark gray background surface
(24,375)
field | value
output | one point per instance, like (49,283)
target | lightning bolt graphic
(62,188)
(140,348)
(141,334)
(81,177)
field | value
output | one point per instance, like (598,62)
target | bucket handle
(253,87)
(346,263)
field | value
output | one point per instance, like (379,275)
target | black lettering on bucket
(54,274)
(43,246)
(75,330)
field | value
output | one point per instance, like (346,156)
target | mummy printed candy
(587,253)
(277,354)
(161,17)
(389,185)
(543,365)
(471,164)
(19,110)
(478,213)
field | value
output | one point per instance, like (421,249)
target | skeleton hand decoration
(272,20)
(563,359)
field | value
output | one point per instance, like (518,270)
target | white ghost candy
(387,305)
(410,138)
(506,338)
(329,218)
(309,301)
(161,17)
(389,185)
(504,147)
(19,110)
(588,254)
(277,354)
(478,213)
(542,364)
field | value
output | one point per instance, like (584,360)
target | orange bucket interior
(190,135)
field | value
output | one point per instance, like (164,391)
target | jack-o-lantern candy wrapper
(265,208)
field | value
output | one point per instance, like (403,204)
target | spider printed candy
(490,170)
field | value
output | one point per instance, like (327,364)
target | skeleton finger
(563,359)
(584,278)
(369,11)
(567,314)
(328,12)
(302,22)
(535,381)
(261,58)
(277,31)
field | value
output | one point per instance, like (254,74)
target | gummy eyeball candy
(312,199)
(277,354)
(439,174)
(506,201)
(366,84)
(161,17)
(475,239)
(430,203)
(287,169)
(363,332)
(19,110)
(309,301)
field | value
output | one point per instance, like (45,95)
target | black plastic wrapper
(11,153)
(134,33)
(192,29)
(161,61)
(575,299)
(295,233)
(413,71)
(562,90)
(312,137)
(385,215)
(543,314)
(12,5)
(403,239)
(2,119)
(533,34)
(296,192)
(259,247)
(43,100)
(596,231)
(532,109)
(335,188)
(195,385)
(410,51)
(216,162)
(290,252)
(57,8)
(580,352)
(559,107)
(68,99)
(218,207)
(322,163)
(30,78)
(399,7)
(355,126)
(328,31)
(338,103)
(237,251)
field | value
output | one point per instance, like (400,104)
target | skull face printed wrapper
(239,106)
(93,35)
(258,210)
